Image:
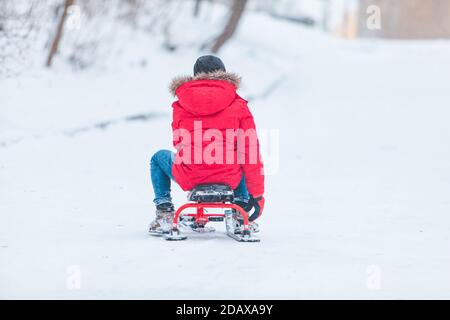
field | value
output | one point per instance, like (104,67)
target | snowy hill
(357,196)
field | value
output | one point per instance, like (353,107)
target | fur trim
(232,78)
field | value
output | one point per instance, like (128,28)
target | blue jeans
(161,174)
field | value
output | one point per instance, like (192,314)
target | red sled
(212,196)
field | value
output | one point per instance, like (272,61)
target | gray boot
(164,219)
(239,224)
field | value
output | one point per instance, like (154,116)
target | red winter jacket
(210,101)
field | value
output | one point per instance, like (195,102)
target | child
(206,117)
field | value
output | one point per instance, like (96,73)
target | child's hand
(258,202)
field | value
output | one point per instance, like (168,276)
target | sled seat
(211,193)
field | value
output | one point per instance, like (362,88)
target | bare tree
(237,9)
(19,27)
(59,32)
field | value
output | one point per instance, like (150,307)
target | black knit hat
(208,64)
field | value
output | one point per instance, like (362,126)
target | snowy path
(332,213)
(359,207)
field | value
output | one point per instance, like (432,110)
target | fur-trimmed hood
(232,78)
(201,95)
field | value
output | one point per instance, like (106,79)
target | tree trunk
(197,8)
(325,14)
(237,10)
(59,32)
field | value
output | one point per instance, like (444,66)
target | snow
(357,201)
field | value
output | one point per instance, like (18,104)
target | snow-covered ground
(358,196)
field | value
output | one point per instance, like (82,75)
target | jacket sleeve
(175,126)
(249,154)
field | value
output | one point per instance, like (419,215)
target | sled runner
(212,196)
